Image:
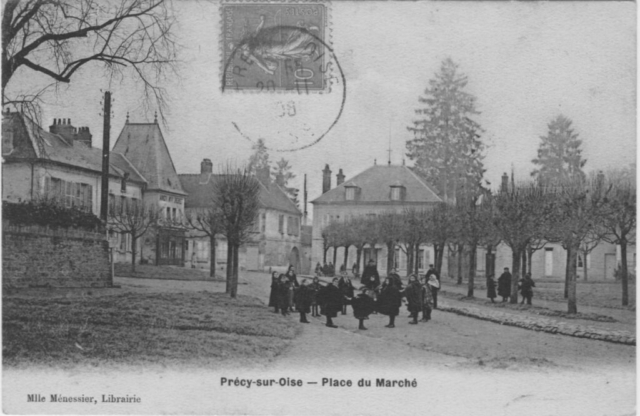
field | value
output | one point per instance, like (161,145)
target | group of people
(525,286)
(373,297)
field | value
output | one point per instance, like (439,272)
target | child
(346,287)
(491,288)
(427,300)
(413,293)
(284,286)
(363,306)
(273,296)
(303,300)
(315,287)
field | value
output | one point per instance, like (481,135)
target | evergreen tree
(260,157)
(282,173)
(446,147)
(559,155)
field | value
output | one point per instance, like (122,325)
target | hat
(433,281)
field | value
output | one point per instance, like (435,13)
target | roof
(144,146)
(374,186)
(44,145)
(200,189)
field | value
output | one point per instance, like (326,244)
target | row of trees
(524,216)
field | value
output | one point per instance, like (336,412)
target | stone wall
(34,256)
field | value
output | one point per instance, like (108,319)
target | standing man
(504,285)
(370,276)
(435,287)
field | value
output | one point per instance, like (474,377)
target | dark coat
(370,277)
(292,278)
(303,298)
(504,285)
(433,272)
(284,297)
(491,288)
(363,306)
(389,301)
(273,295)
(526,286)
(330,300)
(314,288)
(396,280)
(413,293)
(427,296)
(346,287)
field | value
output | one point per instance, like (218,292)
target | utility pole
(305,200)
(104,194)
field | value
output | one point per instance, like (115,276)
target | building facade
(375,191)
(276,234)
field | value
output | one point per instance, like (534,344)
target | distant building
(276,240)
(377,190)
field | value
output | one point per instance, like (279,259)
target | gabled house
(376,190)
(143,144)
(276,232)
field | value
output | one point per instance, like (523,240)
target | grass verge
(200,329)
(164,272)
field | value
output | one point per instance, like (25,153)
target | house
(377,190)
(276,240)
(144,146)
(62,164)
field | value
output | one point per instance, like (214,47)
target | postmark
(270,47)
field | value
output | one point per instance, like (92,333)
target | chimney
(263,175)
(280,180)
(63,128)
(504,186)
(206,166)
(326,179)
(340,178)
(83,135)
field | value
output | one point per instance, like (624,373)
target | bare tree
(578,209)
(390,233)
(132,217)
(209,222)
(236,194)
(619,220)
(58,38)
(520,212)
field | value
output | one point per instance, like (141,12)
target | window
(123,185)
(281,224)
(579,260)
(397,193)
(421,259)
(125,241)
(263,224)
(173,214)
(70,194)
(350,194)
(168,213)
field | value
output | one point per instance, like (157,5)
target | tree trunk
(409,259)
(346,257)
(625,271)
(234,287)
(358,257)
(417,260)
(584,266)
(324,256)
(515,278)
(134,239)
(229,266)
(567,270)
(212,255)
(459,258)
(472,269)
(571,281)
(436,260)
(335,256)
(529,257)
(439,257)
(390,256)
(524,263)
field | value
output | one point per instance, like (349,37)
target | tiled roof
(49,146)
(374,184)
(200,188)
(144,146)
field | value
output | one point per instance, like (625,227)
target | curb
(543,325)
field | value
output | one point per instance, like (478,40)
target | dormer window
(351,192)
(397,192)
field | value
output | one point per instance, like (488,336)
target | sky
(526,62)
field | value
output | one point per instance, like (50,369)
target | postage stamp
(274,46)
